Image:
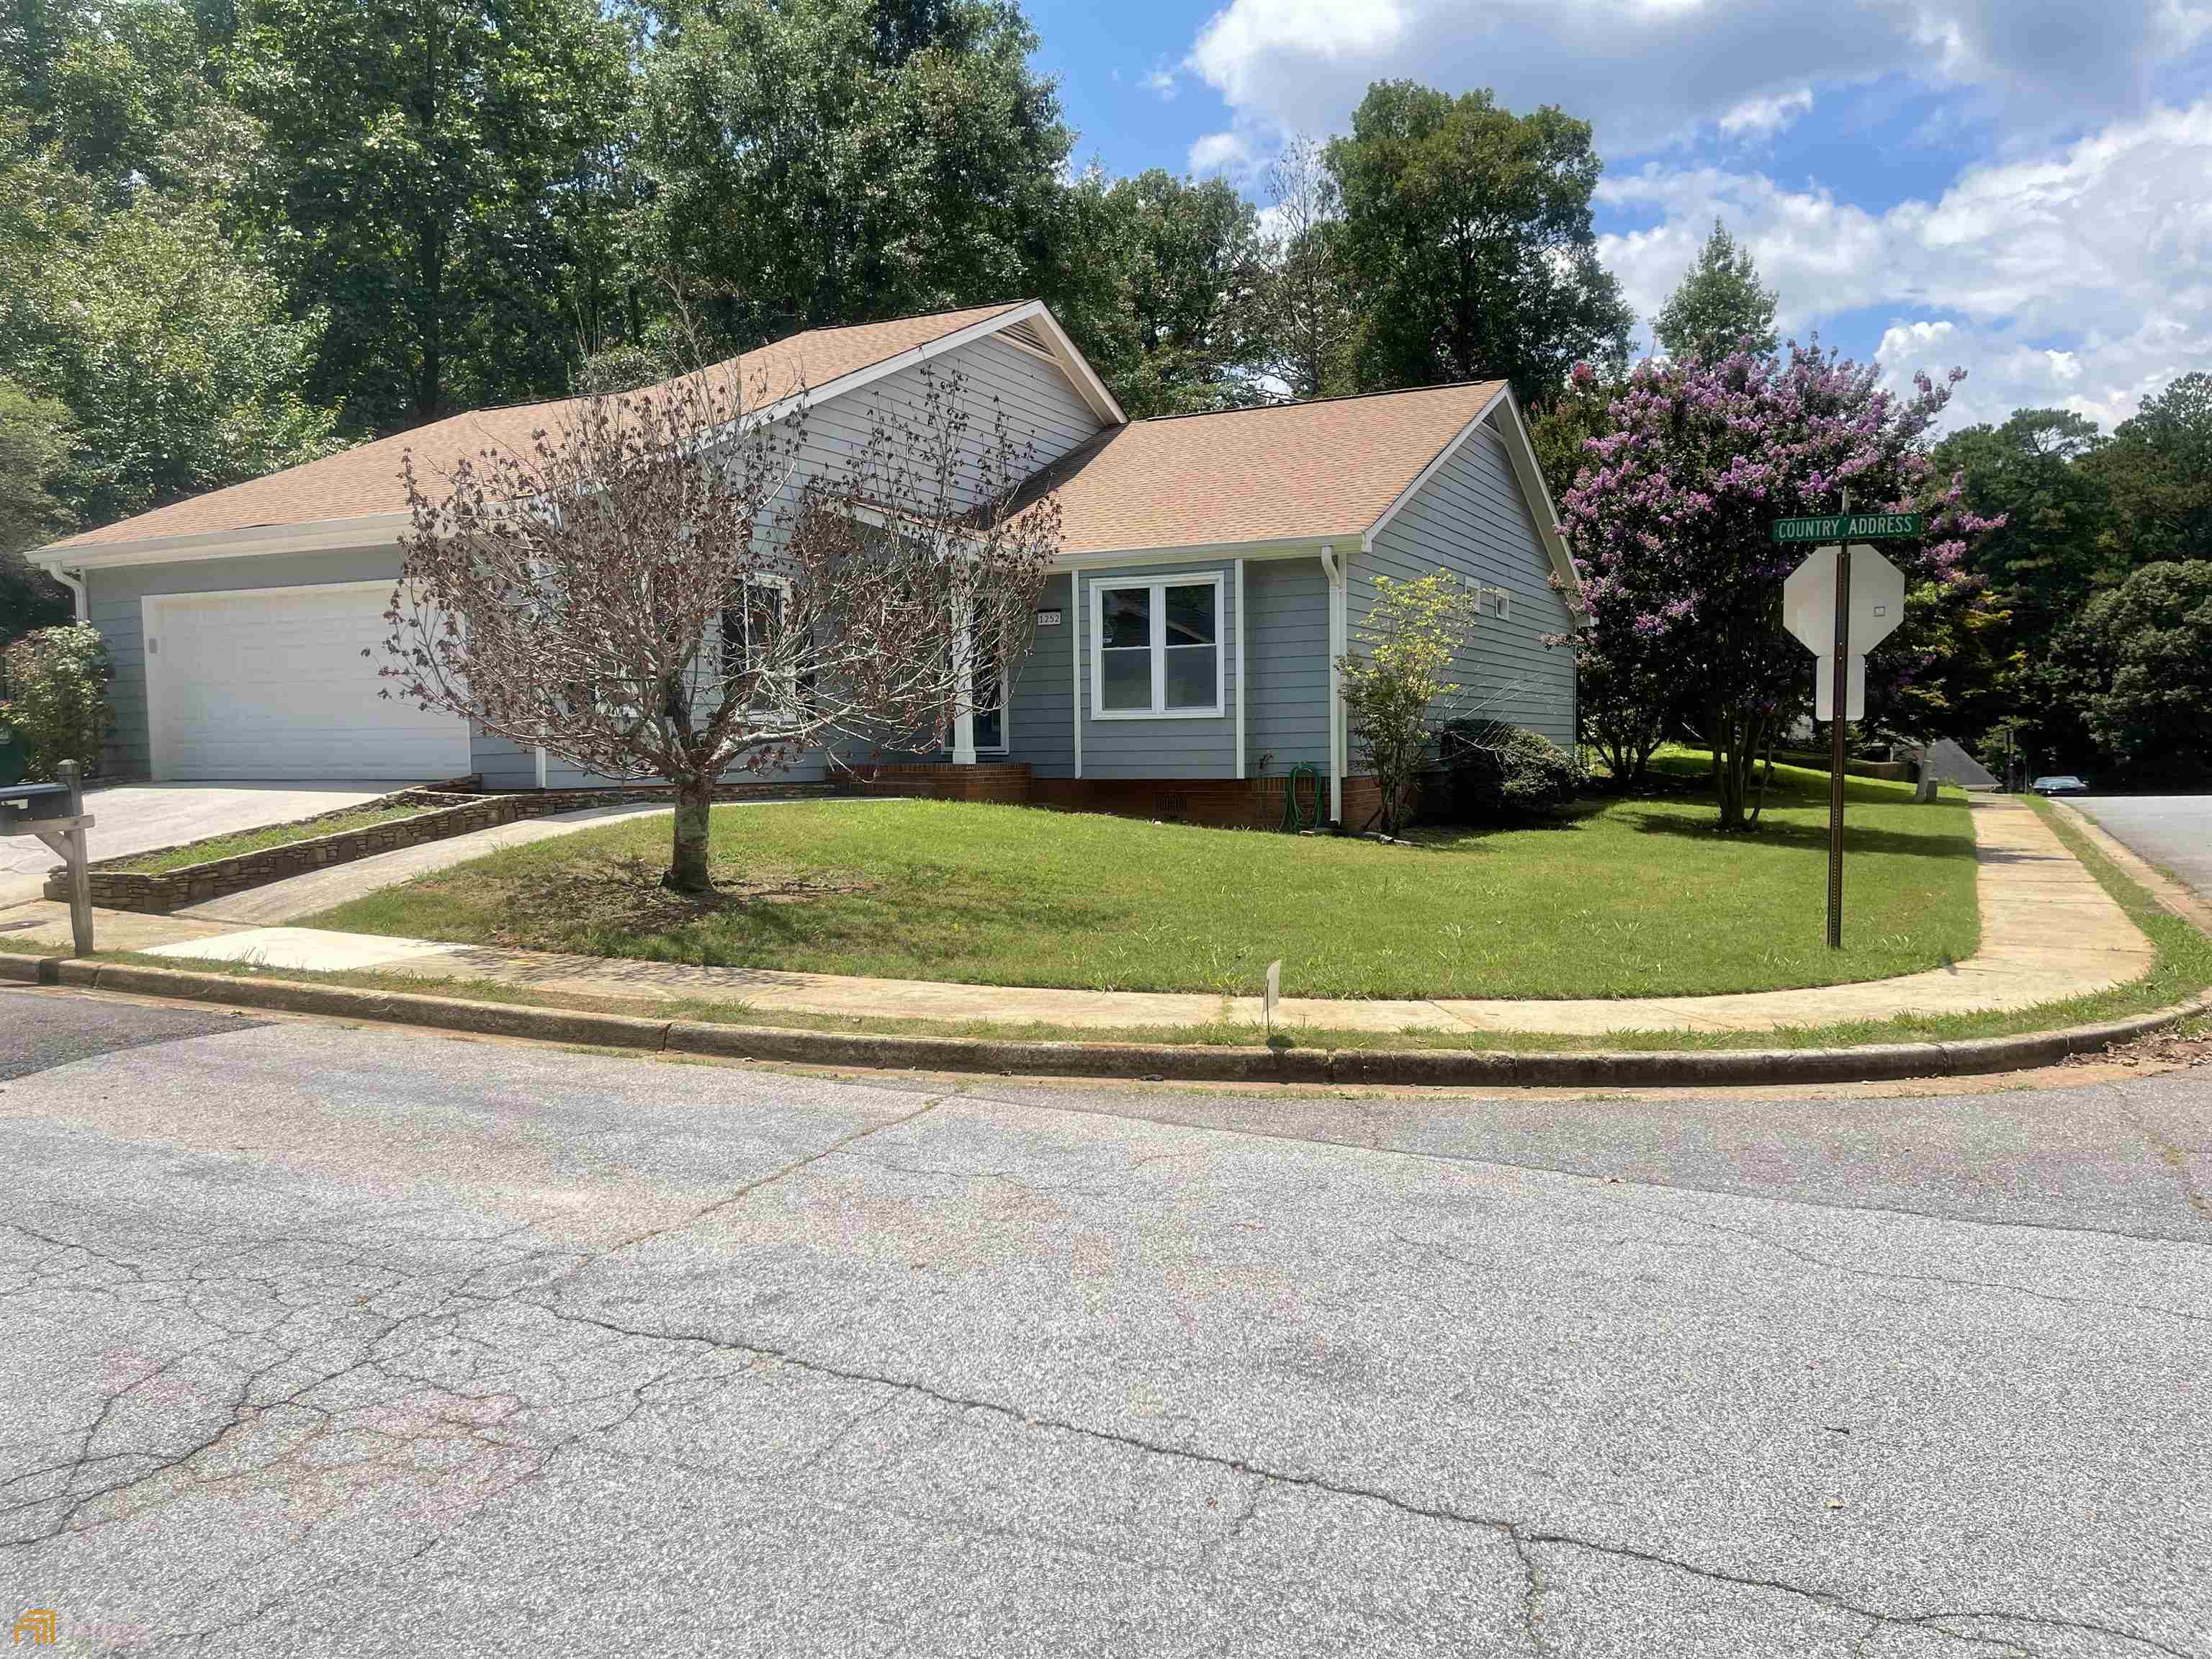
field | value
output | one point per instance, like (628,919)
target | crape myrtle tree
(668,583)
(1669,523)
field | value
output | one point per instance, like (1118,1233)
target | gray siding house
(1212,568)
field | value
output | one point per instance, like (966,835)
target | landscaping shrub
(56,697)
(1492,770)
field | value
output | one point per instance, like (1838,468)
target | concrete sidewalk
(2049,932)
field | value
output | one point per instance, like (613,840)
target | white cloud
(1762,118)
(1162,81)
(1650,72)
(2079,275)
(1222,152)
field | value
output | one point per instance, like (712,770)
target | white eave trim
(1512,434)
(1273,547)
(373,530)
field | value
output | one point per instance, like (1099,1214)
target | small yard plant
(1628,897)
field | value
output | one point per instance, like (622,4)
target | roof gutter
(368,530)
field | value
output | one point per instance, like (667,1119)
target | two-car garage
(273,683)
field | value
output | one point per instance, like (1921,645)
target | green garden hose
(1293,820)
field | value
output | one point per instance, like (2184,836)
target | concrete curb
(1427,1067)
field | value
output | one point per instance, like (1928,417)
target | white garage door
(273,685)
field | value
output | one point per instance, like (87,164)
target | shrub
(1392,692)
(55,698)
(1492,770)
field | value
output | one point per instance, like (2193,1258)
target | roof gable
(1296,472)
(363,482)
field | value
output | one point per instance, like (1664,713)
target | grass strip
(1620,897)
(166,858)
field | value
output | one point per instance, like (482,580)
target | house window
(987,691)
(749,640)
(1156,648)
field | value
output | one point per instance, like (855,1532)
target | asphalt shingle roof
(1287,471)
(365,480)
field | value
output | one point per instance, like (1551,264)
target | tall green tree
(119,90)
(2157,473)
(434,183)
(2136,666)
(815,163)
(2045,557)
(1470,228)
(34,448)
(167,339)
(1168,285)
(1720,306)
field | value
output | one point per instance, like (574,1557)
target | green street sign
(1850,527)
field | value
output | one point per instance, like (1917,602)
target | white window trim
(1101,585)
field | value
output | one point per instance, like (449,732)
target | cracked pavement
(322,1339)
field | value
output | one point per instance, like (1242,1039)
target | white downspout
(76,585)
(1332,567)
(1240,668)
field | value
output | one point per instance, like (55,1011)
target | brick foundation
(1223,803)
(1005,783)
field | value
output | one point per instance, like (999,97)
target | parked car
(2062,783)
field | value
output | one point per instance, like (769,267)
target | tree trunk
(687,868)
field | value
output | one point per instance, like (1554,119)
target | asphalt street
(2173,831)
(326,1341)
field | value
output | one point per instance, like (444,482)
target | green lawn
(273,834)
(1631,897)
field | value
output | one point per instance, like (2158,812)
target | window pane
(1191,678)
(1128,617)
(1127,678)
(1190,615)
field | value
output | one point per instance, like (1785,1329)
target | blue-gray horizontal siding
(1042,408)
(1041,713)
(1286,664)
(1471,518)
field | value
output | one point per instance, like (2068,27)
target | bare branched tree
(672,584)
(1311,317)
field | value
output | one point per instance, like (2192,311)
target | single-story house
(1212,568)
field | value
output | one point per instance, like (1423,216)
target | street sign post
(1840,603)
(1851,527)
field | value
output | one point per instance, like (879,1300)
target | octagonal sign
(1809,600)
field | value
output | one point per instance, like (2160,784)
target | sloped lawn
(1630,897)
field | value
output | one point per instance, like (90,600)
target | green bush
(1491,770)
(55,698)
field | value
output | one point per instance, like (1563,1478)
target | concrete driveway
(2172,831)
(329,1342)
(137,817)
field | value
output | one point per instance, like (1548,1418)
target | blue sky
(2023,187)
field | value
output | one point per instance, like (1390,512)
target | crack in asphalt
(1519,1534)
(1830,1264)
(1657,1182)
(428,1352)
